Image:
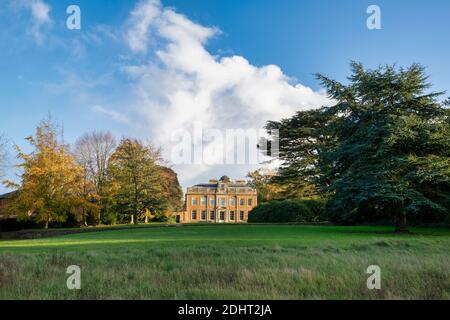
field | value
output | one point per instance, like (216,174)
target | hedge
(295,211)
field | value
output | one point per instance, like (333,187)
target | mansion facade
(218,202)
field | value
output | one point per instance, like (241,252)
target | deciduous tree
(93,151)
(51,180)
(262,181)
(172,189)
(136,179)
(3,154)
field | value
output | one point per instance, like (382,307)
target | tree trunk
(132,219)
(400,223)
(46,224)
(135,219)
(146,219)
(85,218)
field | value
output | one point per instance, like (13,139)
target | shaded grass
(230,262)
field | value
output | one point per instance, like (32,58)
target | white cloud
(182,82)
(141,19)
(115,115)
(40,13)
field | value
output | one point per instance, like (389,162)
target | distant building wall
(218,202)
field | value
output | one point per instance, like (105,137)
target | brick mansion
(218,201)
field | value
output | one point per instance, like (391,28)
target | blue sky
(161,68)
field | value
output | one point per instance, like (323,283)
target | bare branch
(3,153)
(92,152)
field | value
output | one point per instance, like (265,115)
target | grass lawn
(230,262)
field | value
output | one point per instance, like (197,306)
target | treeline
(290,210)
(380,153)
(98,181)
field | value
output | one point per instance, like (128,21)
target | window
(212,201)
(194,201)
(241,201)
(241,215)
(212,215)
(222,215)
(250,202)
(232,202)
(194,214)
(232,215)
(203,215)
(222,202)
(203,201)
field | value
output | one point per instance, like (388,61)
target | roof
(240,186)
(215,185)
(234,185)
(206,185)
(8,195)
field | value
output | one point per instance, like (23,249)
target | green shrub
(163,217)
(109,218)
(295,211)
(317,206)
